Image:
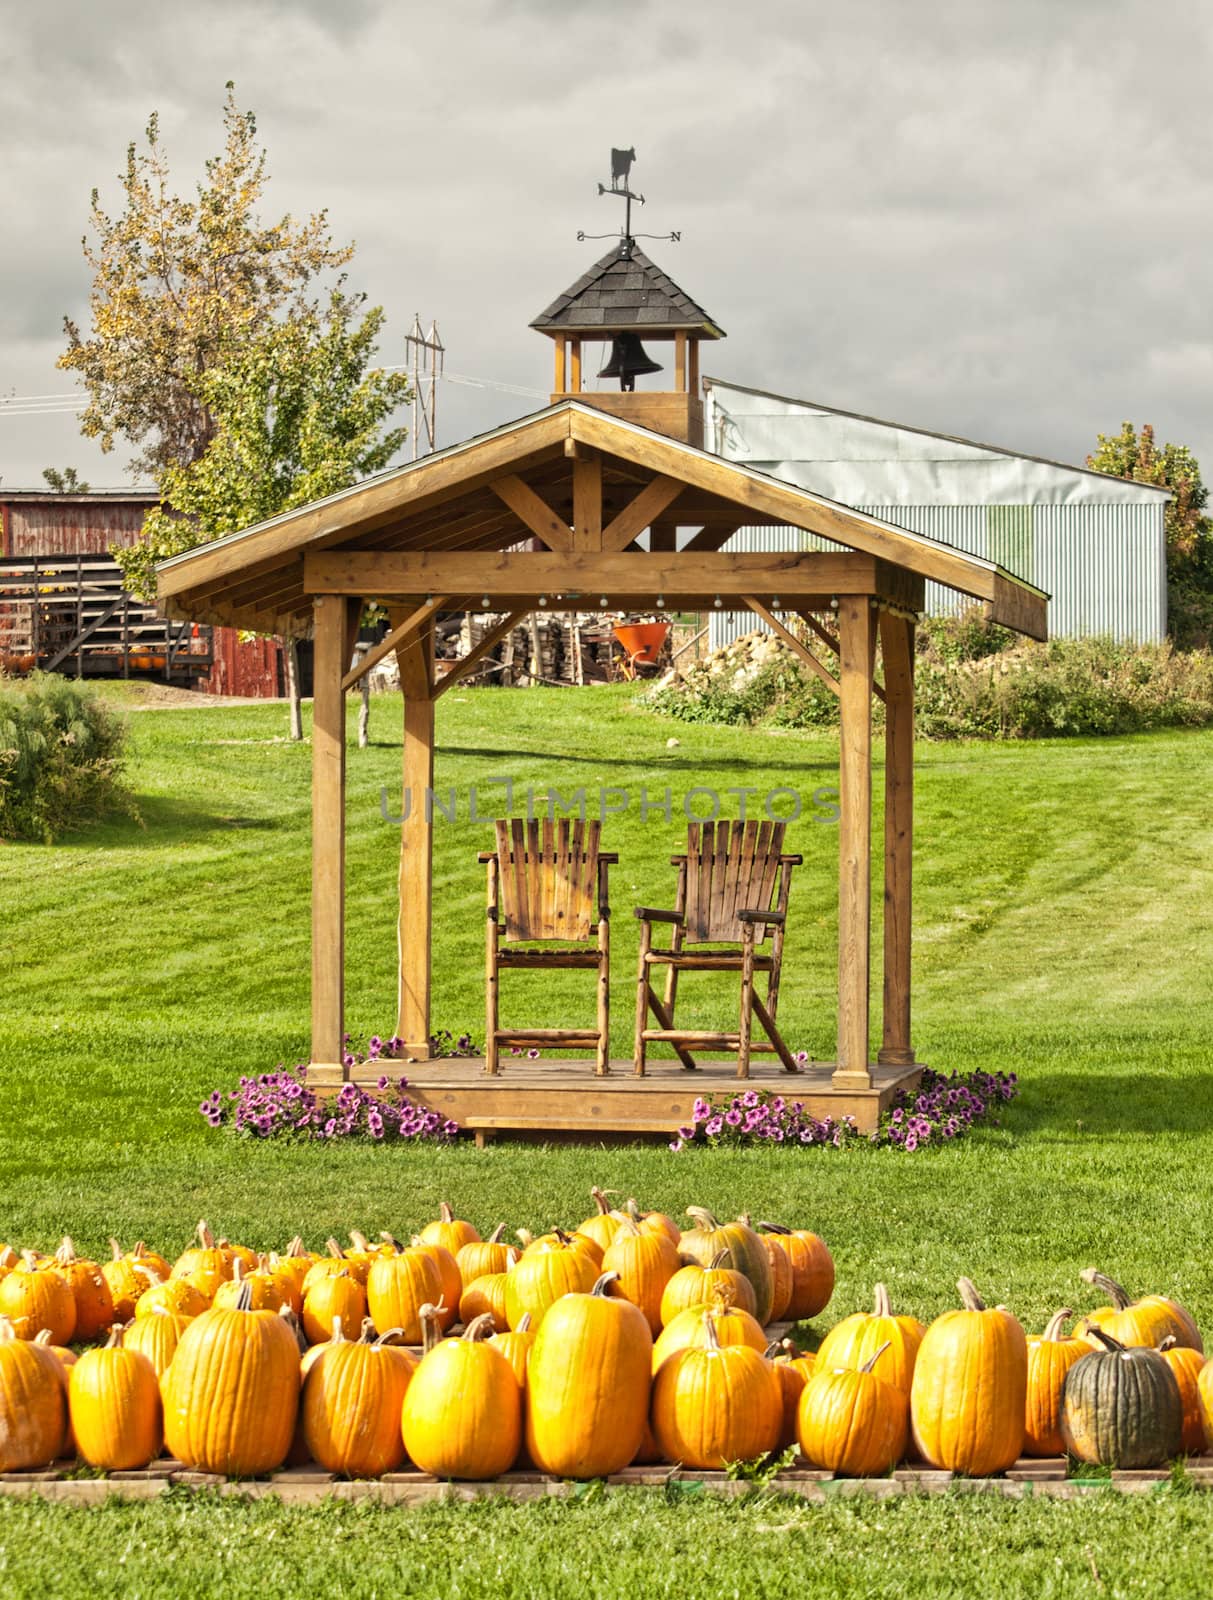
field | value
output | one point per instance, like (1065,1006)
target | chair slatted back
(730,867)
(548,878)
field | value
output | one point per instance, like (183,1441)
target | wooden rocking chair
(726,882)
(551,881)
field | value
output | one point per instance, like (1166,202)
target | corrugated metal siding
(250,668)
(1102,565)
(71,529)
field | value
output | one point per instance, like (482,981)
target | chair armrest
(762,916)
(790,861)
(647,914)
(678,861)
(610,857)
(486,856)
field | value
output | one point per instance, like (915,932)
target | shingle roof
(626,291)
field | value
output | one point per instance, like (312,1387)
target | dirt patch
(151,696)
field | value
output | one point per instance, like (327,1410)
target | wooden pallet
(542,1097)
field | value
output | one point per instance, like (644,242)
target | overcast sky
(991,218)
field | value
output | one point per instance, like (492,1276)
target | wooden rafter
(795,645)
(415,621)
(656,497)
(533,512)
(824,634)
(462,667)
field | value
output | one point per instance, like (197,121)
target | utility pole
(426,356)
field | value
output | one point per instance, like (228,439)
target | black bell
(628,359)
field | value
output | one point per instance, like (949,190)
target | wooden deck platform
(564,1098)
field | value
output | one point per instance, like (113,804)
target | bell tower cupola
(623,303)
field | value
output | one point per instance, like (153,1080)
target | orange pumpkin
(241,1253)
(33,1405)
(542,1276)
(206,1265)
(1049,1360)
(852,1422)
(644,1264)
(350,1409)
(558,1239)
(332,1297)
(448,1231)
(176,1296)
(968,1399)
(1204,1392)
(67,1360)
(604,1224)
(653,1222)
(515,1345)
(486,1296)
(396,1289)
(812,1269)
(232,1392)
(1186,1364)
(793,1371)
(587,1390)
(462,1414)
(708,1237)
(850,1342)
(1145,1322)
(357,1265)
(114,1398)
(292,1266)
(695,1285)
(94,1302)
(129,1275)
(35,1295)
(782,1277)
(483,1256)
(156,1336)
(715,1403)
(266,1292)
(689,1328)
(449,1274)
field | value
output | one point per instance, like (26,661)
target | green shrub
(61,759)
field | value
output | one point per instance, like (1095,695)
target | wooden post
(587,502)
(856,626)
(574,366)
(897,648)
(663,534)
(328,838)
(414,932)
(560,364)
(680,361)
(693,373)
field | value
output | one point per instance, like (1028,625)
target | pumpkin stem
(524,1323)
(445,1212)
(565,1238)
(1169,1343)
(206,1237)
(244,1300)
(721,1261)
(337,1336)
(970,1298)
(390,1238)
(774,1227)
(711,1342)
(431,1328)
(602,1287)
(479,1327)
(870,1364)
(30,1259)
(1119,1296)
(66,1253)
(524,1236)
(599,1197)
(883,1305)
(632,1210)
(238,1270)
(704,1219)
(1104,1338)
(43,1336)
(334,1249)
(115,1250)
(7,1331)
(495,1236)
(367,1335)
(114,1342)
(295,1247)
(1057,1322)
(628,1229)
(388,1336)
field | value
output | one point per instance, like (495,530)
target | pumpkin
(94,1302)
(35,1296)
(781,1276)
(231,1394)
(205,1264)
(515,1345)
(850,1342)
(587,1389)
(8,1259)
(1185,1364)
(130,1274)
(708,1237)
(689,1328)
(648,1452)
(793,1371)
(694,1285)
(852,1422)
(715,1403)
(558,1239)
(33,1404)
(462,1415)
(292,1266)
(812,1269)
(543,1276)
(114,1398)
(340,1296)
(485,1296)
(351,1402)
(483,1256)
(604,1224)
(67,1359)
(266,1292)
(452,1281)
(156,1336)
(644,1264)
(653,1222)
(240,1253)
(1147,1321)
(357,1266)
(1204,1390)
(1049,1359)
(364,1250)
(176,1296)
(968,1398)
(397,1287)
(448,1231)
(1121,1406)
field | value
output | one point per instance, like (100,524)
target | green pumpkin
(708,1237)
(1121,1407)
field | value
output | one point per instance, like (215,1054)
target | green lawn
(1064,907)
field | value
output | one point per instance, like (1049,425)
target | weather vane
(621,168)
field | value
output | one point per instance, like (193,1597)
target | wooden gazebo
(601,501)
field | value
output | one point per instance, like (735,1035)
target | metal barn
(1095,544)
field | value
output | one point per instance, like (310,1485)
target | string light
(718,602)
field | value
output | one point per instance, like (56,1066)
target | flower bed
(942,1109)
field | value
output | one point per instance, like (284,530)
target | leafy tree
(67,481)
(177,285)
(1134,455)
